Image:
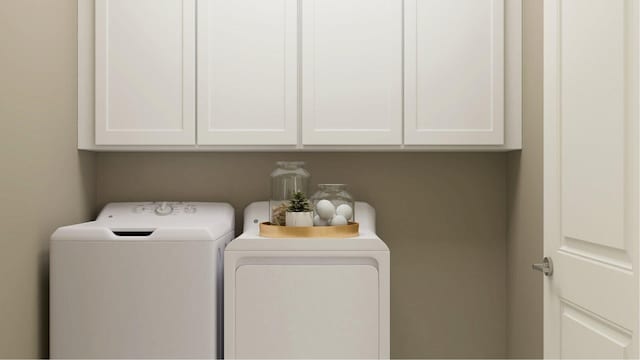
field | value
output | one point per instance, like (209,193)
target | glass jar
(332,205)
(287,179)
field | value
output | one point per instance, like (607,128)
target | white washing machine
(142,281)
(306,298)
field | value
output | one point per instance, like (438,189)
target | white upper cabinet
(351,72)
(145,72)
(247,72)
(299,74)
(454,72)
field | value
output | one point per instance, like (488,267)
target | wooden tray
(280,232)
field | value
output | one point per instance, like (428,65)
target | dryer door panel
(307,311)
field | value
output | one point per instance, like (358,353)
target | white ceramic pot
(300,218)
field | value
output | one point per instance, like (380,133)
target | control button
(139,209)
(164,209)
(189,209)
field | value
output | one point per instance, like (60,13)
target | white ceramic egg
(325,209)
(338,220)
(345,210)
(318,221)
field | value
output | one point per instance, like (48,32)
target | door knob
(546,267)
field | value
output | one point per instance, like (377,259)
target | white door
(454,72)
(591,183)
(351,72)
(247,72)
(145,72)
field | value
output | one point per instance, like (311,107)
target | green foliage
(299,203)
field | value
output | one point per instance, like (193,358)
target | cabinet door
(247,72)
(145,72)
(454,72)
(352,72)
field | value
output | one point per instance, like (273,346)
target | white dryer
(306,298)
(142,281)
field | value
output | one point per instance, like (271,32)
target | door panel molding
(606,255)
(578,323)
(150,101)
(441,93)
(247,72)
(353,97)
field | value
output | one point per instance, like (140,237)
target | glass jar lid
(290,164)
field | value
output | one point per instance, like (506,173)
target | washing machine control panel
(151,216)
(165,208)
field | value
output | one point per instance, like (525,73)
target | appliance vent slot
(133,233)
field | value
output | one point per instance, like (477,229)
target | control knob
(164,209)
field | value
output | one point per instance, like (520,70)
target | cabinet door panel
(145,72)
(352,72)
(454,72)
(247,72)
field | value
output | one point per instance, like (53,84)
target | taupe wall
(44,181)
(442,214)
(525,202)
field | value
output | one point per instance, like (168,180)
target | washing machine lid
(159,221)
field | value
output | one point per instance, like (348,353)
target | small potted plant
(299,212)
